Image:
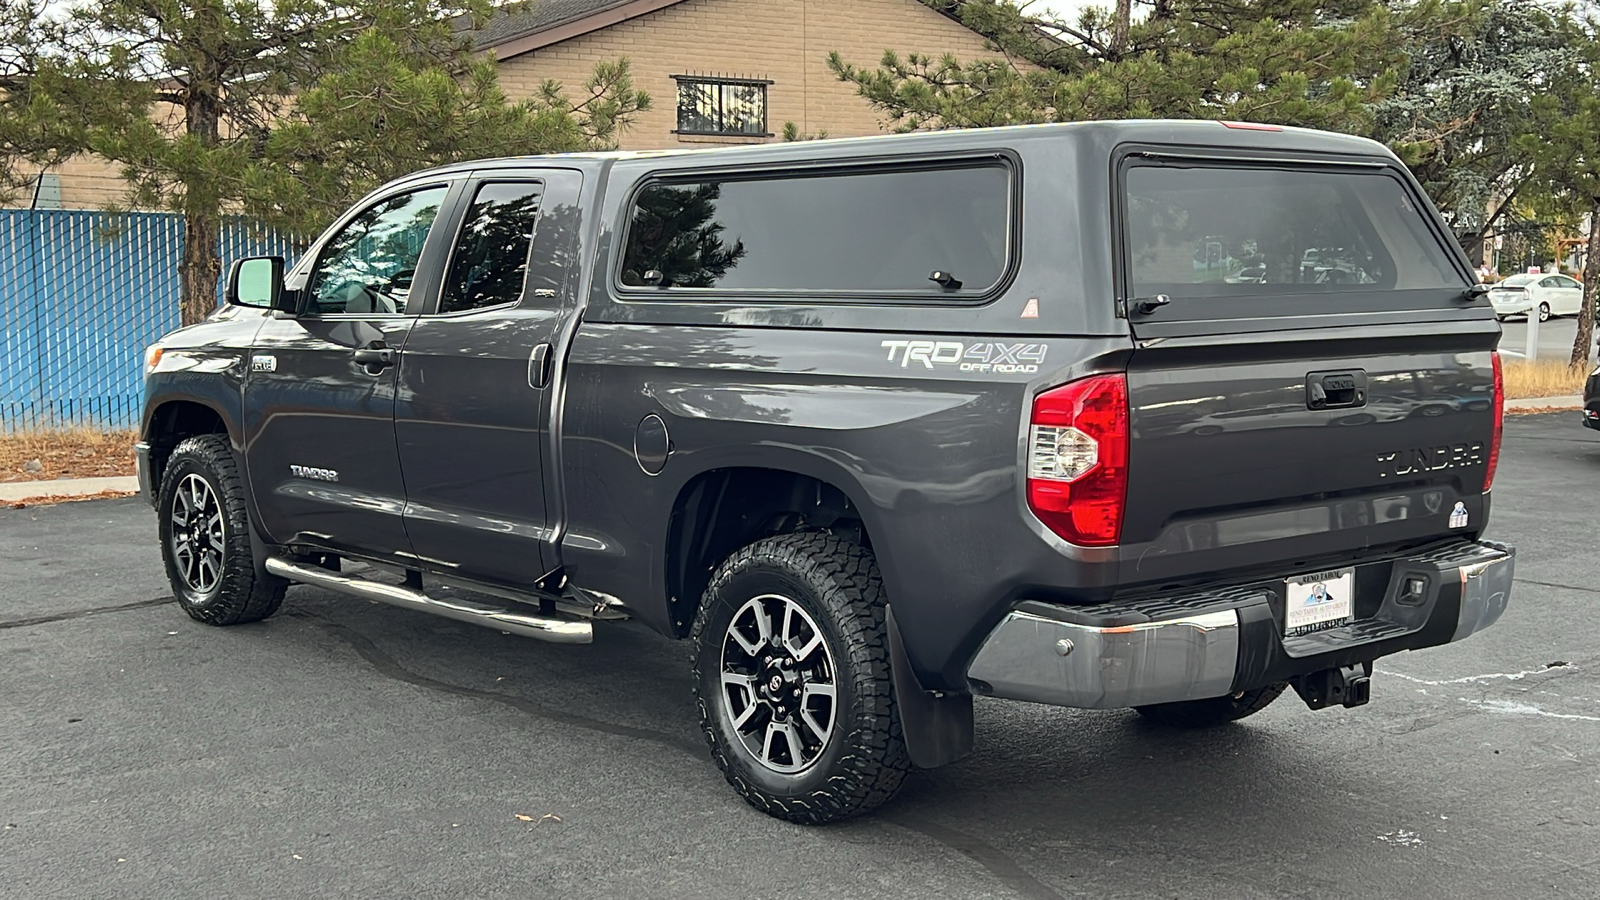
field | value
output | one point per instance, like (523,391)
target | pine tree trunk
(200,267)
(1119,33)
(1591,293)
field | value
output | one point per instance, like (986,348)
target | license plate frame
(1306,609)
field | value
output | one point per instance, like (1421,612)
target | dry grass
(52,499)
(74,452)
(1542,378)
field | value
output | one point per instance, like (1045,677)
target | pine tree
(283,109)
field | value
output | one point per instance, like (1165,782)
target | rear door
(476,380)
(1309,384)
(321,387)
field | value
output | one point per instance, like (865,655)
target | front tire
(793,682)
(1212,711)
(205,538)
(1544,312)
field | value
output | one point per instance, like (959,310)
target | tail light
(1499,423)
(1078,459)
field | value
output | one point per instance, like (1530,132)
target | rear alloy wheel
(205,539)
(778,683)
(1212,711)
(793,681)
(1544,312)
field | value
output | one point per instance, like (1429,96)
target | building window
(722,106)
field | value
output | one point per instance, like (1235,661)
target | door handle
(376,356)
(539,366)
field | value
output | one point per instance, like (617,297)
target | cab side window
(490,264)
(367,267)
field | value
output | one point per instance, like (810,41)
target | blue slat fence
(81,295)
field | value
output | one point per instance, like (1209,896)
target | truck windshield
(1222,231)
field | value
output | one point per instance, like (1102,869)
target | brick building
(717,71)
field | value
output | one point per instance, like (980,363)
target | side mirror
(256,281)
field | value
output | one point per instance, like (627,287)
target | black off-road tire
(1212,711)
(837,583)
(241,593)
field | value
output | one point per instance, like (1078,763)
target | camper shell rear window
(1218,232)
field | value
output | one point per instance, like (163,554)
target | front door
(475,382)
(320,391)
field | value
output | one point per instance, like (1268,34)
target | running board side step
(500,618)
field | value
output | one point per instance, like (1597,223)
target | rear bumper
(1189,647)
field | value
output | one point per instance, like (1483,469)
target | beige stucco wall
(786,41)
(86,183)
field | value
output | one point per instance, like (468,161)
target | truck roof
(1107,134)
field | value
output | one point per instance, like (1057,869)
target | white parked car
(1551,295)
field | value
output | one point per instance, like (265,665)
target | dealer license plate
(1319,600)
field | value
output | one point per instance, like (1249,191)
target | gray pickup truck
(1169,416)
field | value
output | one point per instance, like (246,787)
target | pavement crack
(81,613)
(1512,708)
(387,666)
(1557,666)
(1005,869)
(1567,587)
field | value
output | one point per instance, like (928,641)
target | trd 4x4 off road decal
(986,356)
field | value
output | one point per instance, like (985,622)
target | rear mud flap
(937,728)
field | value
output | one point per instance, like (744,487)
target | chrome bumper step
(501,618)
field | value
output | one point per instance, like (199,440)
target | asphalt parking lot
(344,748)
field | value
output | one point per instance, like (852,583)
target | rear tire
(786,623)
(1212,711)
(205,538)
(1544,312)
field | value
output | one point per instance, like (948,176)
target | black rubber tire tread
(244,594)
(1212,711)
(844,577)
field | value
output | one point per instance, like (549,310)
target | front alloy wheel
(205,536)
(197,535)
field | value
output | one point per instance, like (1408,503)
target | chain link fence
(81,295)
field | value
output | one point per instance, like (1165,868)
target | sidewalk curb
(1565,401)
(17,491)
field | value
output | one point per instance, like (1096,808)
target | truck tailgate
(1233,465)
